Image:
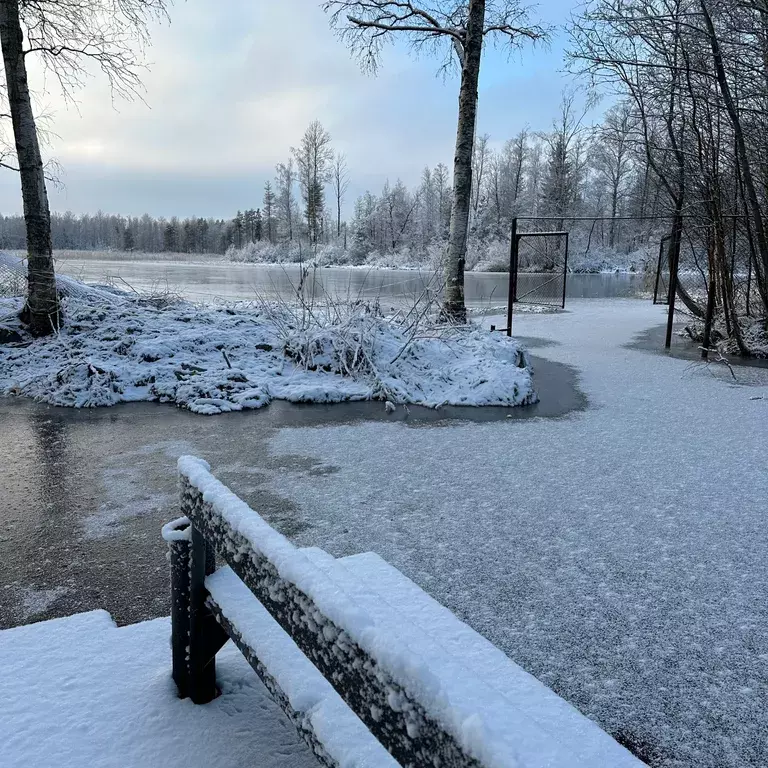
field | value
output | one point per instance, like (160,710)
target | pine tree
(270,202)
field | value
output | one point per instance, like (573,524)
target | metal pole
(513,259)
(710,313)
(674,258)
(204,641)
(565,268)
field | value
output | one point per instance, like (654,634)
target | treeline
(570,172)
(101,231)
(574,170)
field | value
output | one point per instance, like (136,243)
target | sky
(231,86)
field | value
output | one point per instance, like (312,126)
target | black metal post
(674,259)
(513,261)
(179,555)
(565,268)
(709,315)
(206,637)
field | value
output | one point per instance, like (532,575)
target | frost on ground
(81,692)
(212,360)
(35,601)
(618,554)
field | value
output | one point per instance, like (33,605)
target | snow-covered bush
(754,332)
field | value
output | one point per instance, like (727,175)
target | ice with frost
(217,359)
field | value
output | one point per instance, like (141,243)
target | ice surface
(81,692)
(35,601)
(618,554)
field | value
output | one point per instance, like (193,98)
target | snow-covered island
(115,347)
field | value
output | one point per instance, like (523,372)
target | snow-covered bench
(371,670)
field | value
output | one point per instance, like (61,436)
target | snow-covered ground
(81,692)
(618,553)
(115,349)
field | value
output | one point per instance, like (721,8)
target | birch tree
(313,159)
(285,180)
(64,35)
(340,184)
(449,28)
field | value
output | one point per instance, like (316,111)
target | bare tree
(286,178)
(313,158)
(64,35)
(457,27)
(340,184)
(611,156)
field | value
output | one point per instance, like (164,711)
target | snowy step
(79,691)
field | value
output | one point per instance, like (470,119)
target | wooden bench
(370,669)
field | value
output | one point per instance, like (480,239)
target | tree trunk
(42,309)
(761,264)
(453,306)
(614,209)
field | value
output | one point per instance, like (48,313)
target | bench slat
(334,733)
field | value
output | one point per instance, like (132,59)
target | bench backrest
(412,691)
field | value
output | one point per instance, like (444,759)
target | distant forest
(101,231)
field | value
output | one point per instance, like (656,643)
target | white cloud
(231,87)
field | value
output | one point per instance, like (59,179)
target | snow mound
(217,359)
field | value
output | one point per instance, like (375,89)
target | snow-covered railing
(371,670)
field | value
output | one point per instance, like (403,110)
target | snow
(218,359)
(507,717)
(81,692)
(177,530)
(339,730)
(479,715)
(617,554)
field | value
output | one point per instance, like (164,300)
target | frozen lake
(205,280)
